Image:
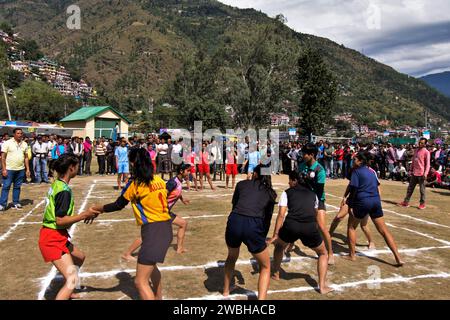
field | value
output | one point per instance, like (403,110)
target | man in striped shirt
(100,152)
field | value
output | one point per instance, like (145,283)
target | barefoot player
(300,223)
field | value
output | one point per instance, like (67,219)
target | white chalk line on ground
(45,282)
(215,264)
(19,222)
(337,287)
(107,221)
(420,234)
(404,215)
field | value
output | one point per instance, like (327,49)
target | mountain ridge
(439,81)
(132,50)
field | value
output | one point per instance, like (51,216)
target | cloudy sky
(413,36)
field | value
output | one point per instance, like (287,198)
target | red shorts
(54,244)
(203,168)
(154,165)
(231,169)
(193,170)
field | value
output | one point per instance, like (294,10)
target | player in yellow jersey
(148,197)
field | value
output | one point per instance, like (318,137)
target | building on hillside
(279,119)
(95,122)
(21,67)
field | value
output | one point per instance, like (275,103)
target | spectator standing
(40,152)
(87,156)
(77,149)
(419,170)
(15,166)
(391,157)
(100,152)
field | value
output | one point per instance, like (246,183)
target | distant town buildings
(46,70)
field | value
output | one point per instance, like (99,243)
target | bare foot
(372,246)
(75,296)
(325,290)
(128,258)
(331,261)
(400,264)
(181,251)
(349,257)
(276,276)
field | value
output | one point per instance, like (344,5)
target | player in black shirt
(300,223)
(249,222)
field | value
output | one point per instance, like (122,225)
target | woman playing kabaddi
(203,167)
(365,201)
(231,167)
(59,216)
(345,209)
(174,189)
(189,158)
(148,196)
(249,222)
(302,205)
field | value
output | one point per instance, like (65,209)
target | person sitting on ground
(400,173)
(446,179)
(434,179)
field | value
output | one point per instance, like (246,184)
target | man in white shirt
(216,157)
(400,154)
(51,144)
(176,152)
(40,152)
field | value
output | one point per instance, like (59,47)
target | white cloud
(409,35)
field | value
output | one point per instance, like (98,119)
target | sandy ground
(422,236)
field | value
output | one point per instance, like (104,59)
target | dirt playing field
(422,236)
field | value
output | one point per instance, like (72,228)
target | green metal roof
(89,112)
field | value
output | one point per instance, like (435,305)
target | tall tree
(316,89)
(256,73)
(196,95)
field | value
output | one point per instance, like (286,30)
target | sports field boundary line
(45,282)
(403,215)
(337,287)
(221,264)
(420,234)
(19,222)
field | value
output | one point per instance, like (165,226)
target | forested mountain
(134,52)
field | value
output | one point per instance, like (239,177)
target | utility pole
(6,101)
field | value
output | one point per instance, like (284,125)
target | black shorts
(173,216)
(156,240)
(307,232)
(248,230)
(369,206)
(322,205)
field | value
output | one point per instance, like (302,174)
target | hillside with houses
(44,69)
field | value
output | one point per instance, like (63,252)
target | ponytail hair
(142,168)
(266,181)
(63,163)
